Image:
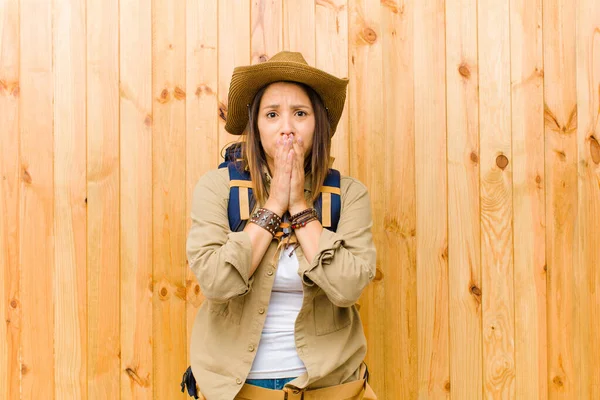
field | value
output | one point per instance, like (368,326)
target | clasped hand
(287,182)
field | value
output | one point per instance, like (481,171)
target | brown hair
(254,157)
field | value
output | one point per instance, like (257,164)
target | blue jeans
(275,384)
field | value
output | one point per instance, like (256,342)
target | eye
(301,113)
(271,114)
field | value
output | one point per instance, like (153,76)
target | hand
(297,201)
(279,194)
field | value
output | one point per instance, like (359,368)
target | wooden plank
(587,271)
(528,198)
(560,96)
(70,214)
(331,27)
(233,50)
(168,196)
(36,211)
(135,71)
(496,200)
(103,239)
(431,197)
(398,260)
(10,307)
(267,29)
(367,144)
(299,28)
(464,247)
(202,124)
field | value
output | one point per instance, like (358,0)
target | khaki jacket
(227,329)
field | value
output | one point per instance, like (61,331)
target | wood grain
(202,124)
(168,198)
(299,28)
(10,307)
(464,241)
(70,294)
(36,201)
(431,199)
(135,71)
(233,51)
(560,115)
(266,29)
(528,199)
(331,33)
(367,144)
(587,272)
(398,252)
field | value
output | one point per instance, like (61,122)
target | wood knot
(368,35)
(447,386)
(445,254)
(24,369)
(15,90)
(475,290)
(501,161)
(558,381)
(263,58)
(203,89)
(170,46)
(197,290)
(136,378)
(474,157)
(148,120)
(14,303)
(595,150)
(464,71)
(26,177)
(378,275)
(163,293)
(538,179)
(164,96)
(179,93)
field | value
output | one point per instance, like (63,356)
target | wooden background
(475,125)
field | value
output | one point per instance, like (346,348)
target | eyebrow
(277,106)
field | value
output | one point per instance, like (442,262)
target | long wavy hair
(317,163)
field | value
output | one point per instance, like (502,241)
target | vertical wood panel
(528,191)
(587,272)
(103,240)
(10,296)
(135,142)
(561,194)
(431,197)
(398,258)
(168,183)
(496,200)
(36,205)
(464,249)
(267,29)
(70,294)
(367,141)
(299,28)
(202,125)
(233,51)
(331,52)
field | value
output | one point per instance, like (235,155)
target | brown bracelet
(302,218)
(266,219)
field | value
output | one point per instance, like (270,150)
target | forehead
(285,90)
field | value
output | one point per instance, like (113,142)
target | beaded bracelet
(266,219)
(302,218)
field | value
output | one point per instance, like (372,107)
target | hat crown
(288,56)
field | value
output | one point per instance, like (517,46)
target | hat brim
(248,80)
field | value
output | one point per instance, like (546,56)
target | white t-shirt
(276,356)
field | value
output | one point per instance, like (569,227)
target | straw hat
(283,66)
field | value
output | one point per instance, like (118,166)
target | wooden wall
(475,125)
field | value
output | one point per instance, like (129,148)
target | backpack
(242,202)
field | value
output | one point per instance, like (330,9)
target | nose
(287,125)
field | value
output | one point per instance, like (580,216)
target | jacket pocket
(328,317)
(231,310)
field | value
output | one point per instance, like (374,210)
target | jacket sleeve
(219,258)
(346,259)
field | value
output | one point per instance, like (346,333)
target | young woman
(279,320)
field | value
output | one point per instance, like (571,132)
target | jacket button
(261,310)
(238,381)
(270,272)
(251,348)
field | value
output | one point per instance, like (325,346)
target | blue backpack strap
(329,202)
(241,200)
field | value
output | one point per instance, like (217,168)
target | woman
(280,320)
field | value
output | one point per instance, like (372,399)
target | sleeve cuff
(329,242)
